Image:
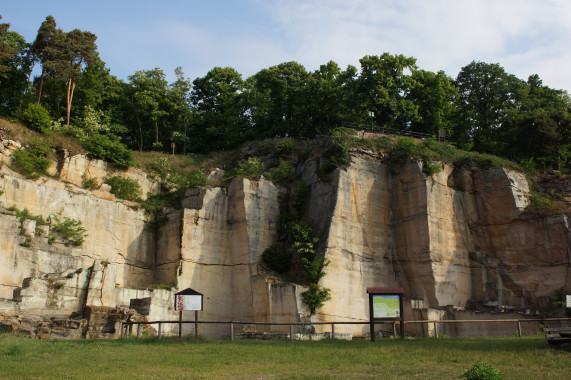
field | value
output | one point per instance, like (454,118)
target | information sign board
(386,306)
(188,302)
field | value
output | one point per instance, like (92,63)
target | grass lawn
(424,358)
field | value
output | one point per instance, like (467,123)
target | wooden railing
(435,323)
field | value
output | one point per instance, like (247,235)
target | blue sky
(524,36)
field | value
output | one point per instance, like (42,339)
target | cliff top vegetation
(71,92)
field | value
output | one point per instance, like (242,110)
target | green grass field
(426,358)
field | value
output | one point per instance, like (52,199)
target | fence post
(121,330)
(160,325)
(394,330)
(232,331)
(291,332)
(333,331)
(519,328)
(435,330)
(138,330)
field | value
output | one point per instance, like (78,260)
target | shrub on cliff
(282,173)
(249,169)
(185,181)
(33,161)
(108,148)
(315,297)
(69,230)
(124,188)
(277,258)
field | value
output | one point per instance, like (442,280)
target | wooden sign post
(385,304)
(188,299)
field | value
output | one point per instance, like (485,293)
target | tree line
(484,108)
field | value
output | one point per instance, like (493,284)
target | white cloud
(524,36)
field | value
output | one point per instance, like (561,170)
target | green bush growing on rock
(277,258)
(315,297)
(124,188)
(69,230)
(404,148)
(284,147)
(250,168)
(89,183)
(281,174)
(108,148)
(33,161)
(337,151)
(538,202)
(430,168)
(189,180)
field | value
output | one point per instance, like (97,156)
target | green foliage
(430,168)
(249,169)
(277,258)
(336,153)
(281,174)
(156,203)
(158,146)
(124,188)
(37,117)
(303,240)
(58,285)
(89,183)
(161,168)
(538,202)
(315,297)
(314,268)
(69,230)
(404,148)
(284,147)
(482,371)
(33,161)
(167,286)
(194,178)
(25,214)
(91,122)
(529,167)
(108,148)
(299,199)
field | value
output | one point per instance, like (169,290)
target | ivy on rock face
(301,245)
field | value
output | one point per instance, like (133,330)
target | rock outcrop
(457,242)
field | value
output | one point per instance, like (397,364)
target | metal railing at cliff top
(435,323)
(441,136)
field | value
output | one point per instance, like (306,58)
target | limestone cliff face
(224,231)
(456,240)
(115,232)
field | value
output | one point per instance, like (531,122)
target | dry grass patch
(18,132)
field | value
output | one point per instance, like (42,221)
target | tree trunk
(156,131)
(70,88)
(185,132)
(41,85)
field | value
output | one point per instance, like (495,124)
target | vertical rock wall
(224,232)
